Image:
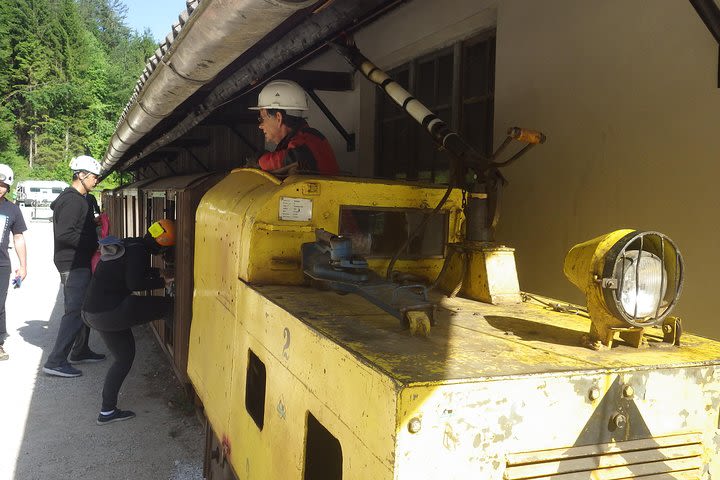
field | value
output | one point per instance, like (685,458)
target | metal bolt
(619,420)
(594,393)
(628,391)
(667,328)
(414,425)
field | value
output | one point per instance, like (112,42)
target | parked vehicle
(38,192)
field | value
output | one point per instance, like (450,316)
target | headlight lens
(642,283)
(642,278)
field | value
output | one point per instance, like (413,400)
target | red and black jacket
(305,146)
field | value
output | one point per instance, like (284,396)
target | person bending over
(111,308)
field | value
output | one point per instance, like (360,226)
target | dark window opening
(323,453)
(380,233)
(458,85)
(255,389)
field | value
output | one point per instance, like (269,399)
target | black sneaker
(117,416)
(66,371)
(87,357)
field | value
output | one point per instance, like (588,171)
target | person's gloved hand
(252,161)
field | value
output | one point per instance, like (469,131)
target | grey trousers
(73,334)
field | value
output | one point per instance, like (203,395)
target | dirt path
(48,428)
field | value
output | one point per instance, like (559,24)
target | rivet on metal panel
(414,425)
(628,391)
(594,393)
(619,420)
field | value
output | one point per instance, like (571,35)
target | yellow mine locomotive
(314,365)
(349,328)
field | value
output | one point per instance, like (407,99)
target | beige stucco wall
(626,92)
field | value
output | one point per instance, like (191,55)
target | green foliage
(67,68)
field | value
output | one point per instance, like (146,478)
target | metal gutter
(209,36)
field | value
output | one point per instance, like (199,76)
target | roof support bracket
(194,157)
(349,137)
(169,167)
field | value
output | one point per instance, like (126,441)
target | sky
(157,15)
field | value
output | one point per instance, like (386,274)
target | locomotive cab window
(381,232)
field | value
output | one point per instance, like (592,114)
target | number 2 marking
(286,336)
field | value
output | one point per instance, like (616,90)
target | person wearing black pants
(75,242)
(12,225)
(121,343)
(111,308)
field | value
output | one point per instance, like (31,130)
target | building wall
(627,95)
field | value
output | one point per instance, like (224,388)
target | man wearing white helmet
(11,221)
(300,148)
(75,243)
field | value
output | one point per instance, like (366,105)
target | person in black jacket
(12,226)
(111,308)
(75,242)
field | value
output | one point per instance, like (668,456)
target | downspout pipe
(710,15)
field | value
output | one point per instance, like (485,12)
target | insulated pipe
(437,128)
(216,34)
(480,227)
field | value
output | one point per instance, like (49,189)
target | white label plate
(295,209)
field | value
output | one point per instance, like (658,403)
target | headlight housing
(632,281)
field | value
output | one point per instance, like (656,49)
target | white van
(38,192)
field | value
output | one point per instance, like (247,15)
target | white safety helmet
(283,95)
(6,174)
(85,163)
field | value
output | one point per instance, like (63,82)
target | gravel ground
(48,423)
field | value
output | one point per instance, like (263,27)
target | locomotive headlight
(642,284)
(632,280)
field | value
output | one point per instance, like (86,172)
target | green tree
(67,68)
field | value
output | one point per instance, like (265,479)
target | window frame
(409,167)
